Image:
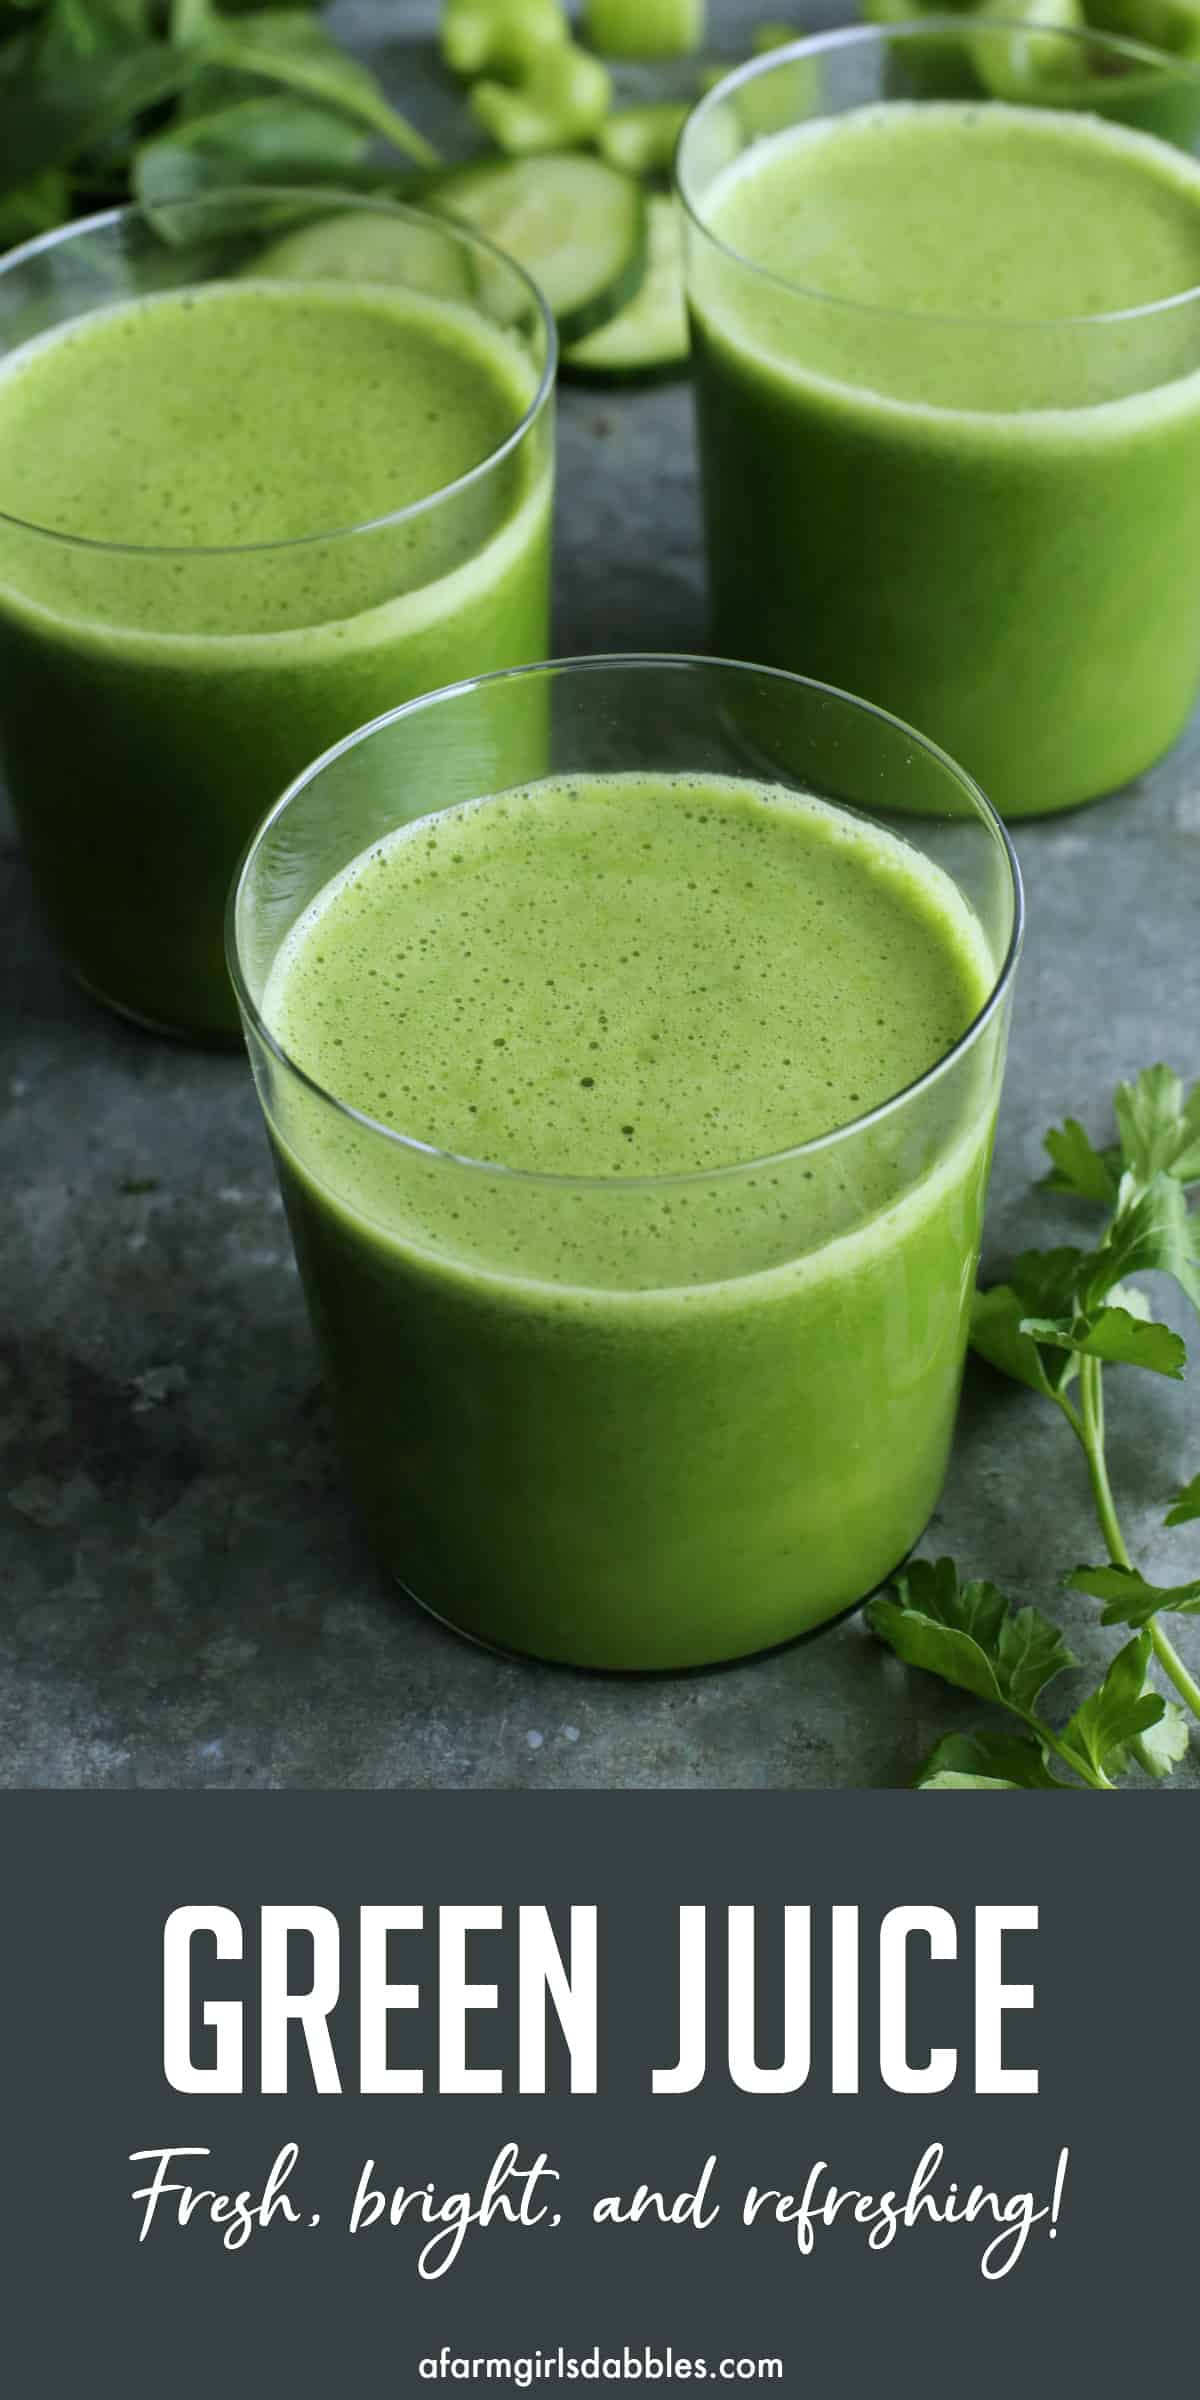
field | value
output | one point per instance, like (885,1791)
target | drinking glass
(990,526)
(638,1421)
(153,701)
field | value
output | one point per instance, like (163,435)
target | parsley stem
(1089,1427)
(1171,1663)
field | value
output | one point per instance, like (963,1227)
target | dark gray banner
(782,2212)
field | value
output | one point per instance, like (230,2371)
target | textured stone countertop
(185,1598)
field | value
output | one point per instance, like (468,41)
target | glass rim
(638,661)
(842,37)
(133,212)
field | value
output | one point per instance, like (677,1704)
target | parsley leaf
(1060,1317)
(1116,1335)
(1159,1127)
(997,1318)
(1042,1284)
(1186,1508)
(1160,1748)
(1101,1730)
(948,1780)
(1151,1231)
(986,1761)
(1130,1599)
(1049,1281)
(970,1635)
(1077,1167)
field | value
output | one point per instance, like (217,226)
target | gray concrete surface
(184,1596)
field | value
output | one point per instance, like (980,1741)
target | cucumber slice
(577,225)
(367,245)
(649,339)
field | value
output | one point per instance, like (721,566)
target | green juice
(626,1400)
(929,481)
(208,628)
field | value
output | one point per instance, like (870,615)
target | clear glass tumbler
(984,515)
(622,1420)
(154,700)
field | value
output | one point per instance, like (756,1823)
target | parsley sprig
(1061,1317)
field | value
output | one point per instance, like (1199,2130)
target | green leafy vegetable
(1139,1180)
(1057,1321)
(1186,1508)
(1159,1126)
(1116,1335)
(1098,1734)
(1129,1599)
(47,124)
(1077,1167)
(1001,1761)
(1151,1231)
(971,1636)
(276,140)
(285,46)
(173,97)
(948,1781)
(1160,1747)
(968,1634)
(998,1319)
(35,208)
(1049,1281)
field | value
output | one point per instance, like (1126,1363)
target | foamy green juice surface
(928,478)
(622,1396)
(211,625)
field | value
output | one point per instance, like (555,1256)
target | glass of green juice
(944,285)
(270,462)
(631,1068)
